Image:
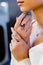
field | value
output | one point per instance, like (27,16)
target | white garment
(23,62)
(35,30)
(36,55)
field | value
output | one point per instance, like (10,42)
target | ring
(17,40)
(23,25)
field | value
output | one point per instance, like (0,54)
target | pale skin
(24,30)
(20,46)
(20,49)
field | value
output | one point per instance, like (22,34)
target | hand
(19,48)
(23,26)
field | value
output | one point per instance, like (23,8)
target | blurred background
(8,13)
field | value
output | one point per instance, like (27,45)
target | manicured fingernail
(12,30)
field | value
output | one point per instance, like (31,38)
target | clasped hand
(20,43)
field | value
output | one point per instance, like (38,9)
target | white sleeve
(23,62)
(13,61)
(36,54)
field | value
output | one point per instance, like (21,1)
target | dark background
(13,8)
(14,12)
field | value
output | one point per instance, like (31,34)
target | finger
(21,33)
(10,47)
(26,19)
(12,29)
(13,44)
(28,34)
(29,31)
(19,20)
(21,30)
(15,35)
(28,25)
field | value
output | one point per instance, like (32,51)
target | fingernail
(12,30)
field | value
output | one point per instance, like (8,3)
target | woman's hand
(20,43)
(18,47)
(23,26)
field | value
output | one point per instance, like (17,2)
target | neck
(39,15)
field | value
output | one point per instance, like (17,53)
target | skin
(19,46)
(19,49)
(20,43)
(24,31)
(39,15)
(39,39)
(30,5)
